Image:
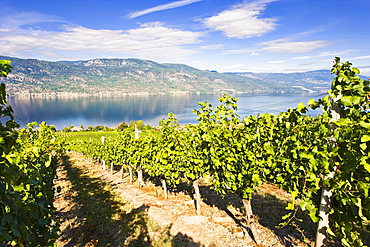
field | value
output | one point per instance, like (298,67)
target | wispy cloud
(325,54)
(243,20)
(281,46)
(17,20)
(151,40)
(284,46)
(311,32)
(212,47)
(279,61)
(361,57)
(166,6)
(241,51)
(306,64)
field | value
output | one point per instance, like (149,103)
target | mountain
(136,76)
(310,81)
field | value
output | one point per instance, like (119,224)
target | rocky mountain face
(136,76)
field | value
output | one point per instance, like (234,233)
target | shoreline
(110,95)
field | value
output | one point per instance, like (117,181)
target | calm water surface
(63,112)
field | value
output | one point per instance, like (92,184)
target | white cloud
(166,6)
(243,20)
(280,46)
(307,63)
(280,61)
(212,47)
(241,51)
(285,46)
(361,57)
(151,40)
(17,20)
(311,32)
(325,54)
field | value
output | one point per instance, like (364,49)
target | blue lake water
(63,112)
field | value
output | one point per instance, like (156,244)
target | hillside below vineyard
(136,76)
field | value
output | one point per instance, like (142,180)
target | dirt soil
(221,222)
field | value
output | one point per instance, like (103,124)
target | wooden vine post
(164,185)
(326,194)
(103,161)
(121,172)
(250,220)
(131,175)
(140,177)
(136,133)
(139,171)
(197,196)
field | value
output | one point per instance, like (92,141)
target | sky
(223,35)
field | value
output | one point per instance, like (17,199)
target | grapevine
(28,162)
(302,154)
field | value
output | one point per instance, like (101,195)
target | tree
(139,124)
(105,128)
(68,129)
(147,127)
(122,126)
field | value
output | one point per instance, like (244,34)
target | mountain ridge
(119,76)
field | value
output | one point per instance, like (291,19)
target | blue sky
(222,35)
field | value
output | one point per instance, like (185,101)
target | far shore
(117,94)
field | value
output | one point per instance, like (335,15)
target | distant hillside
(135,76)
(311,81)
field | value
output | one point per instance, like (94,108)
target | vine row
(28,162)
(307,156)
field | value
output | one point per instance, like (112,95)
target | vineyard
(85,136)
(322,161)
(27,170)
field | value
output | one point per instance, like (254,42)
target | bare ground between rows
(221,223)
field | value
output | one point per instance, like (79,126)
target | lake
(110,111)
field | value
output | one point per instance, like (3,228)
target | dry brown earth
(221,223)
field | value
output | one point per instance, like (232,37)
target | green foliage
(292,150)
(350,184)
(28,201)
(5,68)
(28,163)
(122,126)
(68,129)
(171,121)
(317,147)
(225,148)
(138,124)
